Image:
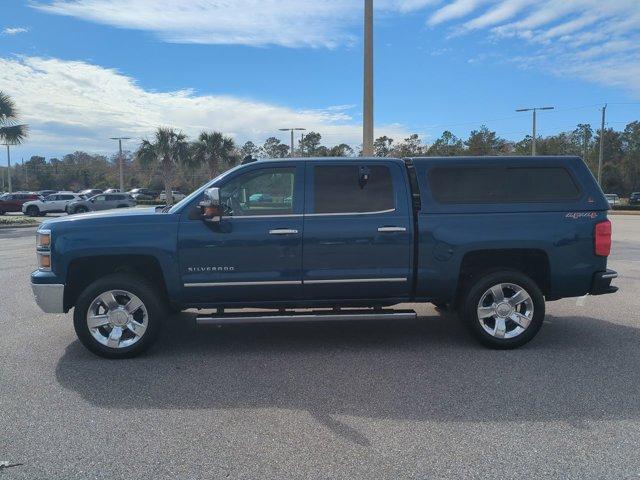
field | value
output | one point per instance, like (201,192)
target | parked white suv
(56,202)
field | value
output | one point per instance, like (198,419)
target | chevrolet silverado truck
(491,238)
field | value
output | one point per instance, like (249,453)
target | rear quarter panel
(564,231)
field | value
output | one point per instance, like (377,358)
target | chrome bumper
(49,296)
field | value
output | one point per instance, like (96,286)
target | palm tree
(215,151)
(11,133)
(166,153)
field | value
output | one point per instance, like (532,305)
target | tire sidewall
(33,211)
(481,285)
(139,287)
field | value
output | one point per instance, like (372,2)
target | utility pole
(8,167)
(291,130)
(601,153)
(120,159)
(534,132)
(367,114)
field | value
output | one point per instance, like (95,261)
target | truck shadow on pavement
(577,370)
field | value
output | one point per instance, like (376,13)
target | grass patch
(17,220)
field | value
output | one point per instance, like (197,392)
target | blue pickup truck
(491,238)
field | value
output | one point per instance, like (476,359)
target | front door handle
(283,231)
(392,229)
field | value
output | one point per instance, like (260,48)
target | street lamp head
(119,138)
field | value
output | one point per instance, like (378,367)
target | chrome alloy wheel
(505,310)
(117,319)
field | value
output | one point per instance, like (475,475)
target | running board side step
(308,316)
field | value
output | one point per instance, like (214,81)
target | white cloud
(592,39)
(303,23)
(76,105)
(14,30)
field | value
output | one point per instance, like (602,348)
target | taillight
(602,240)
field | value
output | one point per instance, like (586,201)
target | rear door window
(502,184)
(352,189)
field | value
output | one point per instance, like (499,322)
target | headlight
(43,249)
(43,239)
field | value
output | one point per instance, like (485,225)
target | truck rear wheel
(503,309)
(118,316)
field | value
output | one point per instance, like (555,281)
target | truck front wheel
(118,316)
(504,309)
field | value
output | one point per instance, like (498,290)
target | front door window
(268,191)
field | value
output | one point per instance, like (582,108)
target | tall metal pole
(533,140)
(601,153)
(534,133)
(9,169)
(291,154)
(120,162)
(120,159)
(367,114)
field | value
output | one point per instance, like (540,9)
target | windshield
(189,198)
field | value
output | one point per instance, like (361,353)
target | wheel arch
(532,262)
(83,271)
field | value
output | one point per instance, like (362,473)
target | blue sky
(84,70)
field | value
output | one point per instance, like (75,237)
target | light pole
(367,113)
(8,167)
(601,152)
(291,130)
(120,158)
(533,136)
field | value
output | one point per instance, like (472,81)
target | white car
(612,198)
(56,202)
(177,196)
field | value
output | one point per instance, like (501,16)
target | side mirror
(210,209)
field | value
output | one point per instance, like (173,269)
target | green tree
(486,142)
(411,146)
(215,151)
(249,149)
(274,148)
(341,150)
(309,145)
(446,146)
(10,130)
(382,146)
(166,153)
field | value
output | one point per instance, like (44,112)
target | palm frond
(13,134)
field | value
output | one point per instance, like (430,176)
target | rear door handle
(392,229)
(283,231)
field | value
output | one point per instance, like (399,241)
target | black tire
(81,209)
(33,211)
(1,212)
(475,293)
(144,290)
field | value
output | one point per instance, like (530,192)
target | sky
(81,71)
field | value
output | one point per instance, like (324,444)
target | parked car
(90,192)
(56,202)
(112,190)
(490,238)
(143,194)
(612,198)
(634,198)
(177,196)
(12,202)
(103,201)
(45,193)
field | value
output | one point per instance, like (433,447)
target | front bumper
(49,296)
(601,283)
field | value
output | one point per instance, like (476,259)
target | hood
(115,216)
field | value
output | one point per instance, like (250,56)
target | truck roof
(525,159)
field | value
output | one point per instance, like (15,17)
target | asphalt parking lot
(414,399)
